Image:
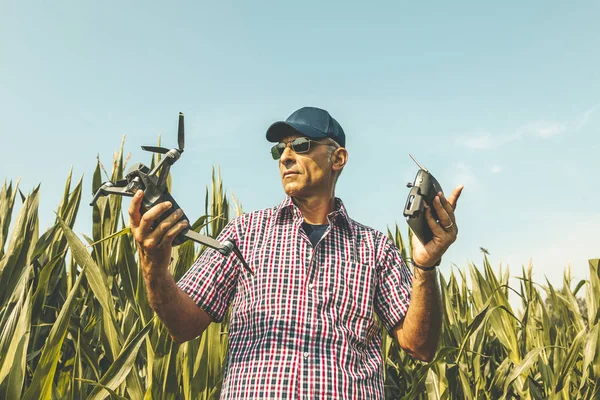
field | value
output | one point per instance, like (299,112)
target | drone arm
(164,173)
(119,191)
(226,248)
(104,191)
(158,167)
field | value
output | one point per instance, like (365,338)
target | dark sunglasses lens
(301,145)
(277,150)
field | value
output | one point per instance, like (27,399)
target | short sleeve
(394,289)
(211,281)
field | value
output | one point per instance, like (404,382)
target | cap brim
(281,129)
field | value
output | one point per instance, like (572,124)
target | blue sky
(503,97)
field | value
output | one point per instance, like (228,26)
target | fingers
(444,210)
(142,224)
(155,237)
(444,232)
(445,229)
(153,214)
(453,198)
(162,228)
(175,230)
(436,229)
(134,209)
(162,236)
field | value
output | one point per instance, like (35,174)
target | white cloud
(585,118)
(485,141)
(482,141)
(543,129)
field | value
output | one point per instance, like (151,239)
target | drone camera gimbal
(154,185)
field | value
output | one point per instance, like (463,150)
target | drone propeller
(180,140)
(155,149)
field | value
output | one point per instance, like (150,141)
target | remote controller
(422,190)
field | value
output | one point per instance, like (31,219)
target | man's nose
(287,155)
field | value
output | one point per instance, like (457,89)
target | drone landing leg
(203,239)
(223,249)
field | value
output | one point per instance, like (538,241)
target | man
(304,325)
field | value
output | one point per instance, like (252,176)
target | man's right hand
(154,244)
(182,317)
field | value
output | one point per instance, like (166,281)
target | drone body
(139,177)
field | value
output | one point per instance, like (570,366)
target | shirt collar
(286,204)
(339,214)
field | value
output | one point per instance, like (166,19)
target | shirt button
(310,286)
(305,354)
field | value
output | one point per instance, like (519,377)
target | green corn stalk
(75,321)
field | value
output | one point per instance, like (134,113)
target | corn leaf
(95,275)
(522,368)
(118,371)
(7,202)
(570,360)
(22,242)
(15,336)
(43,377)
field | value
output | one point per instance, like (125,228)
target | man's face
(306,174)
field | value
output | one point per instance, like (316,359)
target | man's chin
(292,189)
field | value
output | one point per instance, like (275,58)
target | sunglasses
(299,145)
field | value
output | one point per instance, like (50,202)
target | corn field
(75,322)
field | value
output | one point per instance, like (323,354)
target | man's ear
(339,158)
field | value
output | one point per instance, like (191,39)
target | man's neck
(315,209)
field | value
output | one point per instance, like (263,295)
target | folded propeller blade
(180,139)
(155,149)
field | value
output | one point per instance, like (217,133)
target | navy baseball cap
(312,122)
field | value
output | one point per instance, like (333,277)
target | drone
(155,190)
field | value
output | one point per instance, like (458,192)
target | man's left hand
(444,232)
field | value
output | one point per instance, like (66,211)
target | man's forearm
(421,328)
(178,312)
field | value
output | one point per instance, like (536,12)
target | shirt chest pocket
(352,289)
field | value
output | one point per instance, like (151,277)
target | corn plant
(75,321)
(74,315)
(546,350)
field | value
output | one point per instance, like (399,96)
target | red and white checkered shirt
(304,325)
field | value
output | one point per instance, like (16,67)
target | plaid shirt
(304,325)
